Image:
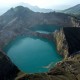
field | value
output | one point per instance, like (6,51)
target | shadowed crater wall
(72,35)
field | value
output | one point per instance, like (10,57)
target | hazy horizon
(47,4)
(52,4)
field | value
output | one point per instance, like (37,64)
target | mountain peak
(18,11)
(35,8)
(21,8)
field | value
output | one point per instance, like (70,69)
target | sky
(52,4)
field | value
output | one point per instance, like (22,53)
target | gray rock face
(8,71)
(61,43)
(68,40)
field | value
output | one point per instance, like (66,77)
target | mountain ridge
(73,10)
(26,16)
(33,8)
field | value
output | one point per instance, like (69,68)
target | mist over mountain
(33,8)
(73,10)
(66,8)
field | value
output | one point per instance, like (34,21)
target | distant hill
(35,8)
(22,16)
(73,10)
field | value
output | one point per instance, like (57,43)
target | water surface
(33,55)
(45,28)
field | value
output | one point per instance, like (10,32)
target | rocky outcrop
(61,43)
(68,69)
(75,22)
(8,71)
(68,40)
(73,39)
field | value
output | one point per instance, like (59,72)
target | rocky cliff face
(75,22)
(73,39)
(68,40)
(61,43)
(68,69)
(8,71)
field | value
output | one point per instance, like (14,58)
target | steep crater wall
(73,39)
(8,71)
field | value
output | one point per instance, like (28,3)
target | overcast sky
(53,4)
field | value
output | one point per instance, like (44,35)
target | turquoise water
(32,55)
(45,28)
